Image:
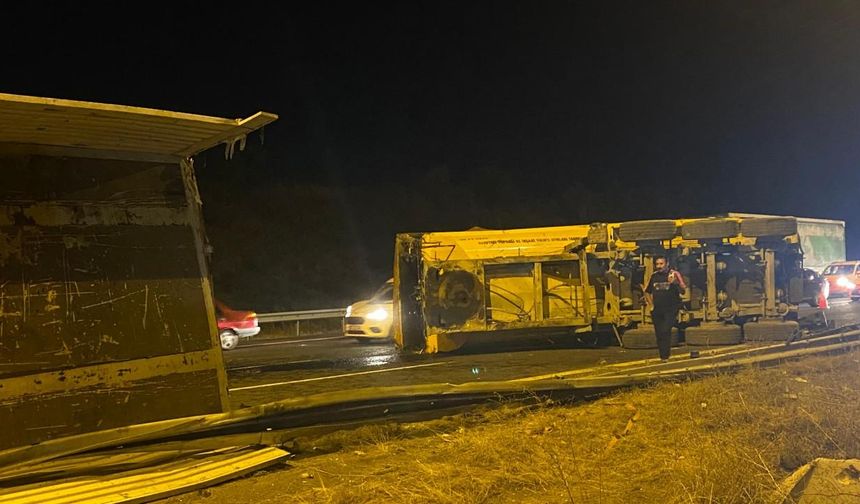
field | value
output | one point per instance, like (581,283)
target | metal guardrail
(296,316)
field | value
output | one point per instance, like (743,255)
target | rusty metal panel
(105,309)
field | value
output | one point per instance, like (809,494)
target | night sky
(634,109)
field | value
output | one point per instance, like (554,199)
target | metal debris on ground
(193,471)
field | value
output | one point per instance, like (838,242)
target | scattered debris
(822,481)
(186,472)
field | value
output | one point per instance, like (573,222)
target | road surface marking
(258,366)
(331,377)
(287,342)
(723,351)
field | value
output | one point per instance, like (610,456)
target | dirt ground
(726,439)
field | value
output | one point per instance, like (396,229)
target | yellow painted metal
(711,299)
(144,485)
(34,120)
(195,217)
(488,244)
(109,375)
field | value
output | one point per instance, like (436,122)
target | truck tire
(709,229)
(714,334)
(644,337)
(768,226)
(597,234)
(771,330)
(649,230)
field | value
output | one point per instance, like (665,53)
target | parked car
(235,324)
(370,319)
(843,277)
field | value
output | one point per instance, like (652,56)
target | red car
(235,324)
(843,278)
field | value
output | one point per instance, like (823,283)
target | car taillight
(250,316)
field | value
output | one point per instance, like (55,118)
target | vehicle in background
(843,277)
(370,320)
(822,240)
(235,324)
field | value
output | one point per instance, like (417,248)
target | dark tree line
(290,240)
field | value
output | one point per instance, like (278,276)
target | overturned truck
(745,278)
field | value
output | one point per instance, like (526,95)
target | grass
(725,439)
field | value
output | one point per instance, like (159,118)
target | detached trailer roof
(129,132)
(108,316)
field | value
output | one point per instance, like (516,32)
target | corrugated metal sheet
(67,123)
(145,485)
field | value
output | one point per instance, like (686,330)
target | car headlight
(378,314)
(845,283)
(349,310)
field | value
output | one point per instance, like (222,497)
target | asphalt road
(266,371)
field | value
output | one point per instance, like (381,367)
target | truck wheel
(771,330)
(229,340)
(768,226)
(714,334)
(644,337)
(647,230)
(709,229)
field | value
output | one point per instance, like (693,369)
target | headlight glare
(378,314)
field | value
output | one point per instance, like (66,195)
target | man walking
(663,294)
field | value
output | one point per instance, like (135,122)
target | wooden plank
(109,375)
(36,104)
(58,151)
(96,141)
(145,485)
(120,121)
(97,463)
(61,125)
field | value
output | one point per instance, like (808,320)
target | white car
(370,320)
